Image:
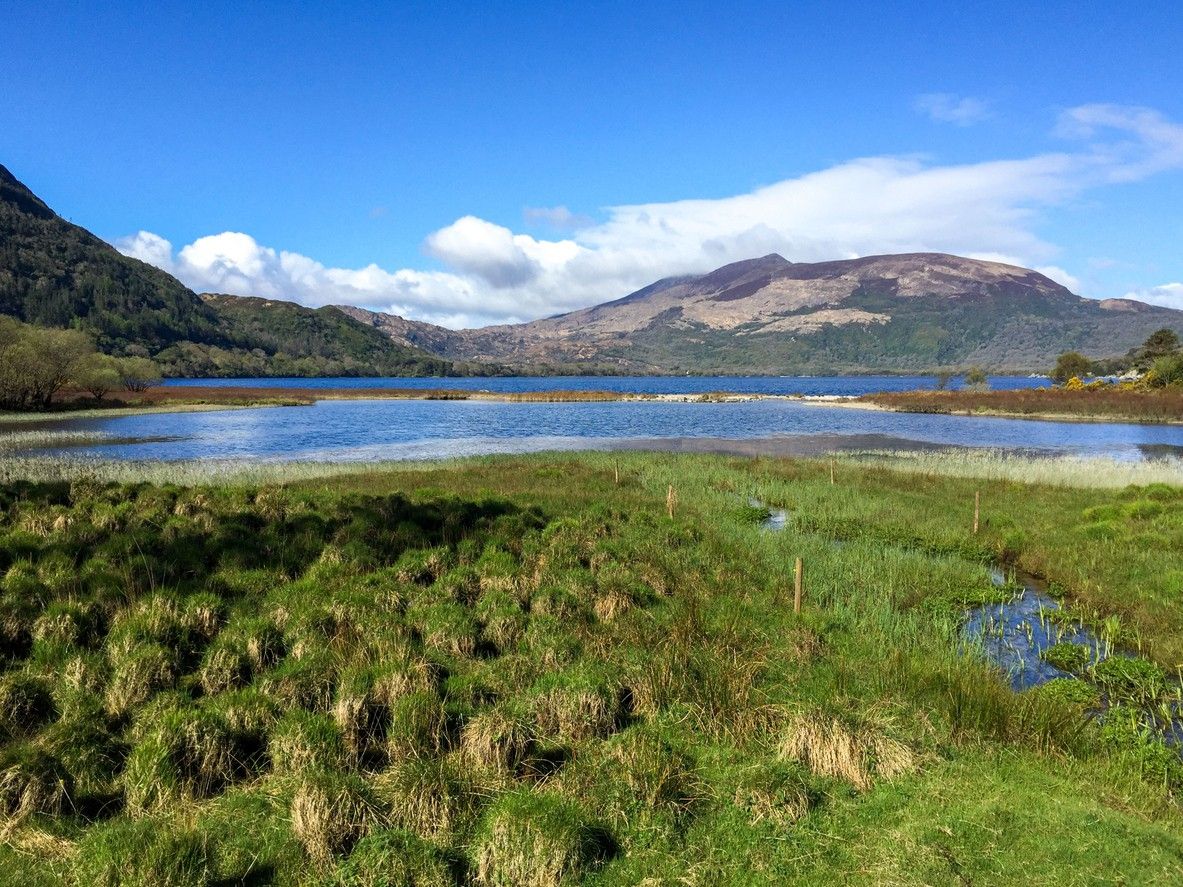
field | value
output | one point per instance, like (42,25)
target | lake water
(414,429)
(845,385)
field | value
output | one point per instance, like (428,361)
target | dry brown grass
(830,748)
(496,740)
(1164,405)
(329,815)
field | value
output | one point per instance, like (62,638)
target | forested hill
(56,274)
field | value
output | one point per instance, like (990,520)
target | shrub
(539,840)
(33,781)
(303,741)
(331,812)
(389,857)
(143,853)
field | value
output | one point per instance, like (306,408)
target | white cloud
(947,108)
(556,217)
(1169,295)
(1060,276)
(862,207)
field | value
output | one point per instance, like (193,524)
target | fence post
(670,499)
(977,509)
(798,583)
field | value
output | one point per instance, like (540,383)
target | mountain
(895,313)
(54,273)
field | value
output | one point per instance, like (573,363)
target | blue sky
(473,165)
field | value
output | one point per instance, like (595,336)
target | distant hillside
(896,313)
(54,273)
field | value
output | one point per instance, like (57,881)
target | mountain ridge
(893,312)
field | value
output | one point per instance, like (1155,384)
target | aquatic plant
(1068,657)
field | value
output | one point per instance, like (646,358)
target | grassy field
(1112,403)
(523,670)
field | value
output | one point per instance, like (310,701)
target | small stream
(1015,635)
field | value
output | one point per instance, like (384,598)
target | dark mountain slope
(54,273)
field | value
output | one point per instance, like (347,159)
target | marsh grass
(522,671)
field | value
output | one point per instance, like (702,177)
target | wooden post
(798,582)
(831,471)
(616,473)
(977,509)
(670,499)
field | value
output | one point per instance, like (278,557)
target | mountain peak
(14,192)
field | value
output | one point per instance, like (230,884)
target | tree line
(1158,360)
(38,363)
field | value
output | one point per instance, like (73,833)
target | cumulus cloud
(947,108)
(1169,295)
(491,274)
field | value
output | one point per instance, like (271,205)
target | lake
(420,429)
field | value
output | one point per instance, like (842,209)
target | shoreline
(183,399)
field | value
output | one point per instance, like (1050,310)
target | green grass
(519,671)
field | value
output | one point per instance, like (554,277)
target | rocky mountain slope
(908,312)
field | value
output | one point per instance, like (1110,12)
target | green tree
(1166,371)
(1161,343)
(1069,365)
(976,378)
(97,374)
(36,363)
(138,373)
